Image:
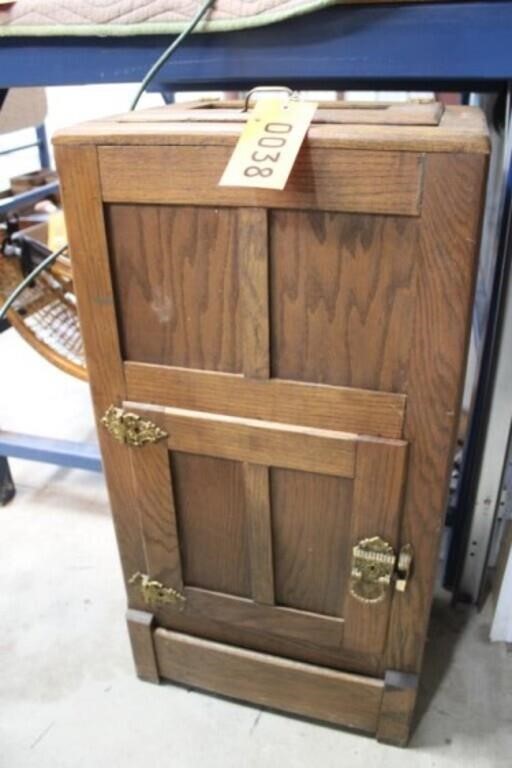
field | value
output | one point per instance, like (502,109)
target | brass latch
(403,568)
(131,429)
(374,566)
(154,593)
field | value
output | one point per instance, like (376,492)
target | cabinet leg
(7,488)
(140,628)
(397,709)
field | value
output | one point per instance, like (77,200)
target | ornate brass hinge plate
(374,566)
(154,593)
(131,429)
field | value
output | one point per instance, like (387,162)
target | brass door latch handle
(403,568)
(375,566)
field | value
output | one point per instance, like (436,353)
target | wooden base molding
(398,701)
(381,707)
(271,681)
(140,628)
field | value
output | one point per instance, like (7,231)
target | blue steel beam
(42,143)
(422,43)
(20,148)
(26,199)
(64,453)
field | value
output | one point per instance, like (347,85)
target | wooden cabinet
(277,378)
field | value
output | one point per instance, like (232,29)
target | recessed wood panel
(342,298)
(258,516)
(210,502)
(176,285)
(311,539)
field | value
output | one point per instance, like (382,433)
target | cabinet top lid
(413,125)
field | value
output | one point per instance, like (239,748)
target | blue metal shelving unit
(461,46)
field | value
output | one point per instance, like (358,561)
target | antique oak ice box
(277,378)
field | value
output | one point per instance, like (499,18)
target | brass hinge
(131,429)
(154,593)
(374,566)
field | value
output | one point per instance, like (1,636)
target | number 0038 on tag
(269,144)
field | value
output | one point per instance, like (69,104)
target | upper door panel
(300,295)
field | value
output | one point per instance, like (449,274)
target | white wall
(66,106)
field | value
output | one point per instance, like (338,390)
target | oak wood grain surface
(305,351)
(78,171)
(311,534)
(253,254)
(359,181)
(259,521)
(447,255)
(397,707)
(237,537)
(335,112)
(343,409)
(213,530)
(140,630)
(376,507)
(343,289)
(245,614)
(157,515)
(302,645)
(298,534)
(177,285)
(270,681)
(462,129)
(260,442)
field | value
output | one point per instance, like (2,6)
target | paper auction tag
(269,144)
(56,231)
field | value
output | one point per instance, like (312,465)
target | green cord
(157,66)
(28,279)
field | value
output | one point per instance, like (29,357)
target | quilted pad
(137,17)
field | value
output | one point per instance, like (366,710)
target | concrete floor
(68,694)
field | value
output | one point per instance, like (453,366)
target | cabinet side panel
(448,247)
(78,172)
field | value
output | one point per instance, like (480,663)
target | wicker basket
(45,314)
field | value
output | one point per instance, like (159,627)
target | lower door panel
(252,524)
